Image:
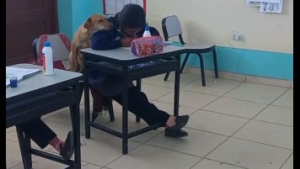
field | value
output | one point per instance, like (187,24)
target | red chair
(61,46)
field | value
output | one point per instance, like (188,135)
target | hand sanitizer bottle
(47,59)
(147,31)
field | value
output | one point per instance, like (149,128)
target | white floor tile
(159,80)
(169,108)
(235,107)
(147,157)
(155,92)
(250,155)
(189,99)
(275,114)
(13,154)
(289,164)
(213,86)
(256,93)
(198,143)
(286,100)
(209,164)
(216,123)
(42,163)
(267,133)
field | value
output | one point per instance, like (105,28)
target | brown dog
(82,39)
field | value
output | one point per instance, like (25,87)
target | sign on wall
(111,7)
(267,6)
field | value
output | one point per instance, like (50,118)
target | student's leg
(38,131)
(139,105)
(42,135)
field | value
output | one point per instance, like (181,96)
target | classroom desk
(39,95)
(117,62)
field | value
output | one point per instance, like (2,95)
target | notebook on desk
(20,73)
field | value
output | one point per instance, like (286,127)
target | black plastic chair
(171,27)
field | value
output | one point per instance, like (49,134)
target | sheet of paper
(20,73)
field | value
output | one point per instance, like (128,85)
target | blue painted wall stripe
(248,62)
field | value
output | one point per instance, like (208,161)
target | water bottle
(147,31)
(47,59)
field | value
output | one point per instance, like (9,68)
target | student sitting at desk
(43,136)
(127,25)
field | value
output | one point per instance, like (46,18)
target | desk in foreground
(39,95)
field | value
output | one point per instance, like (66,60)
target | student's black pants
(139,105)
(38,131)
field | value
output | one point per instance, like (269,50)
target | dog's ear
(87,23)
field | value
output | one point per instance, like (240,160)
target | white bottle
(147,31)
(48,59)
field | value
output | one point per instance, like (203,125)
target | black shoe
(67,151)
(181,121)
(175,133)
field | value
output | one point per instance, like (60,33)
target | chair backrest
(171,27)
(60,45)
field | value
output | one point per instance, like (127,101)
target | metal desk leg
(87,106)
(139,85)
(25,146)
(215,63)
(125,112)
(202,69)
(75,117)
(177,87)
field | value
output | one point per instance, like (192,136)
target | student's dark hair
(132,16)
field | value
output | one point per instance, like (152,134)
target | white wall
(214,20)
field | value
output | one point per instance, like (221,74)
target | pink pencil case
(145,46)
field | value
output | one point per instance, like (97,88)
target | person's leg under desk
(38,131)
(139,105)
(43,136)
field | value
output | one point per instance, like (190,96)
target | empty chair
(171,28)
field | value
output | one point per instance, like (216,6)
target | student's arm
(104,40)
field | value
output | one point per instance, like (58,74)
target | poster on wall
(271,7)
(267,6)
(111,7)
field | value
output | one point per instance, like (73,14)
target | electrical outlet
(237,36)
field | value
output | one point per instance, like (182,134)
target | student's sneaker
(67,150)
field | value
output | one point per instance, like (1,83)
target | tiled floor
(233,125)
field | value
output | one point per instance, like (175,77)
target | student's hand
(126,42)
